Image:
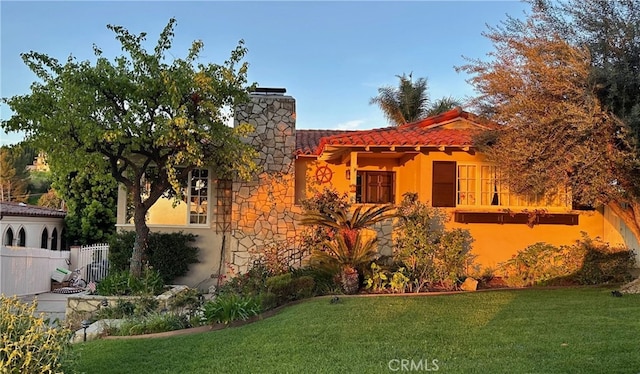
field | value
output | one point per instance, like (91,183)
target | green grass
(583,330)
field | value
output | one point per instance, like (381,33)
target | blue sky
(330,56)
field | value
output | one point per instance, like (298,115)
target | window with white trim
(192,209)
(479,184)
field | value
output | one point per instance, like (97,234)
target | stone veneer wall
(263,211)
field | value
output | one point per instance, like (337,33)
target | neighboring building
(39,163)
(434,158)
(23,225)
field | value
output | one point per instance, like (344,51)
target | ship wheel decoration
(323,174)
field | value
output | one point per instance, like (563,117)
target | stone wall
(263,211)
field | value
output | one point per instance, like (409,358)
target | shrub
(169,253)
(250,283)
(187,302)
(121,283)
(279,257)
(430,254)
(378,281)
(535,264)
(153,323)
(230,307)
(286,288)
(30,344)
(588,261)
(324,280)
(122,309)
(603,263)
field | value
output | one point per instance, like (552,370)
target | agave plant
(348,248)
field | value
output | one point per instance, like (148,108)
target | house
(32,239)
(31,226)
(434,158)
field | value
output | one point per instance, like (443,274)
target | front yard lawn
(581,330)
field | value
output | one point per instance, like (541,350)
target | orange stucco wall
(493,243)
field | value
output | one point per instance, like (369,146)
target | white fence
(27,271)
(93,262)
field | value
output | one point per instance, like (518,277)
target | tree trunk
(629,214)
(140,244)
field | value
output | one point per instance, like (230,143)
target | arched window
(44,241)
(64,245)
(54,239)
(8,237)
(22,238)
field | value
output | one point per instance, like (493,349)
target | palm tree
(409,102)
(348,248)
(442,105)
(403,104)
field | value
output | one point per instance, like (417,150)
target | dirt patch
(631,287)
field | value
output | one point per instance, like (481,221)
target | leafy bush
(230,307)
(325,280)
(279,257)
(169,253)
(588,261)
(431,255)
(153,323)
(187,302)
(250,283)
(286,288)
(382,279)
(603,263)
(327,201)
(30,344)
(122,309)
(121,283)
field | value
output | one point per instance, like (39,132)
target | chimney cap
(270,90)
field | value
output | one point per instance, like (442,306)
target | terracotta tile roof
(427,132)
(24,210)
(307,141)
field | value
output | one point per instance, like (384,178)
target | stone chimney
(273,114)
(263,213)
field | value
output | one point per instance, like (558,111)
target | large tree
(410,102)
(568,94)
(13,185)
(90,196)
(151,117)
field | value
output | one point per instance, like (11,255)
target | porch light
(347,174)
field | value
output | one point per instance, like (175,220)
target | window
(376,187)
(54,239)
(8,237)
(478,184)
(22,238)
(199,196)
(192,209)
(44,240)
(466,185)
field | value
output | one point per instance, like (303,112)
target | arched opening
(22,238)
(54,239)
(8,237)
(44,241)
